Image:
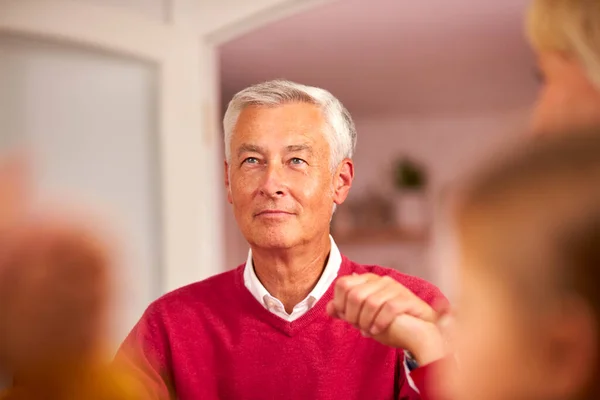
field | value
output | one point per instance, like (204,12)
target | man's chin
(275,240)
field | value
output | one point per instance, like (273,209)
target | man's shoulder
(214,288)
(419,286)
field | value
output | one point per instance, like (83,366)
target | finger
(404,303)
(422,310)
(416,306)
(391,309)
(375,302)
(342,286)
(358,297)
(441,306)
(331,310)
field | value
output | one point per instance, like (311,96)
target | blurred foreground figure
(54,286)
(566,36)
(529,311)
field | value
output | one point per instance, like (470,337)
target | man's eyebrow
(299,147)
(249,148)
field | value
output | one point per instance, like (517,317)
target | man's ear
(227,185)
(342,181)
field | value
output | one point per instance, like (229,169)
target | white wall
(449,146)
(153,9)
(90,119)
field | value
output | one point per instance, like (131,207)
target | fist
(387,311)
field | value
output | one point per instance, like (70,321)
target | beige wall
(449,146)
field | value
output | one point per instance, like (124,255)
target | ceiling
(395,56)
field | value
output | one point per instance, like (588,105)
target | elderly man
(284,324)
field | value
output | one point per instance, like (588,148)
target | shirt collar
(254,285)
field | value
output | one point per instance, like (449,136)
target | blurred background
(120,103)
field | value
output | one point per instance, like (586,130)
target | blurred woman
(566,37)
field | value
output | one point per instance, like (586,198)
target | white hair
(341,134)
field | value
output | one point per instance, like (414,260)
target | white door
(91,121)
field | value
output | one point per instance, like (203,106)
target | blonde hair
(568,26)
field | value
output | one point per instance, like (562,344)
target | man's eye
(297,161)
(251,160)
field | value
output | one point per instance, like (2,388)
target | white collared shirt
(274,305)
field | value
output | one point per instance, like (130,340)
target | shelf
(381,236)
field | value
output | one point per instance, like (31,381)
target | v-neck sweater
(213,340)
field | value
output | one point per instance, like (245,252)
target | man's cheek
(244,186)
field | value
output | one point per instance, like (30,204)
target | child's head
(528,314)
(53,292)
(566,37)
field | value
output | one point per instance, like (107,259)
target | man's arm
(145,356)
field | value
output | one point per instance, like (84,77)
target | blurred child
(54,288)
(528,316)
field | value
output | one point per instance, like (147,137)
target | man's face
(279,179)
(567,98)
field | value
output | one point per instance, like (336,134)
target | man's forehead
(286,116)
(289,127)
(279,135)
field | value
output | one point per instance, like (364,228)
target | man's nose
(273,184)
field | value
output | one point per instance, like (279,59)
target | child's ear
(570,355)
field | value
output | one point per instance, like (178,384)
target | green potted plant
(409,175)
(410,181)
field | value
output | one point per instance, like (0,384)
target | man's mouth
(273,213)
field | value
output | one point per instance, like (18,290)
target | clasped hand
(385,310)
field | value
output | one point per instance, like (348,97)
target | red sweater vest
(212,340)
